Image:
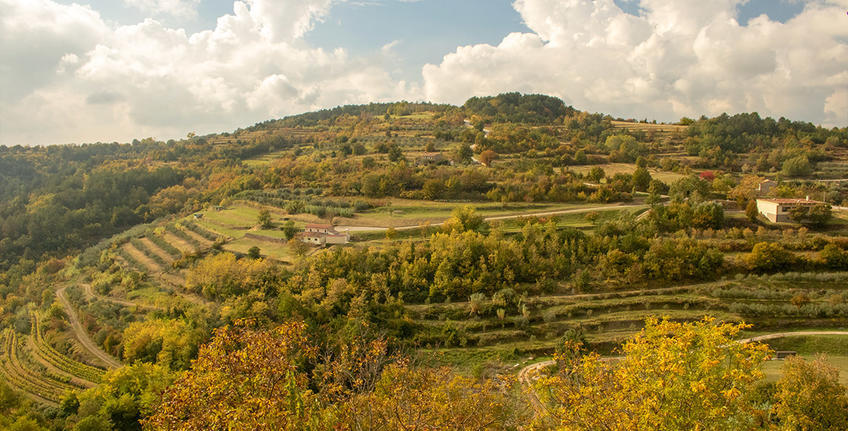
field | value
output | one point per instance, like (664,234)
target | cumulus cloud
(103,83)
(686,57)
(178,8)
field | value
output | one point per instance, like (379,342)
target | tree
(430,147)
(487,156)
(395,153)
(289,229)
(769,256)
(812,215)
(265,219)
(809,396)
(462,154)
(641,179)
(245,379)
(674,376)
(799,166)
(254,252)
(800,300)
(596,174)
(751,211)
(408,398)
(834,257)
(298,247)
(465,219)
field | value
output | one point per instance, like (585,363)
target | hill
(477,237)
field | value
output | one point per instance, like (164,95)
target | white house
(778,210)
(323,234)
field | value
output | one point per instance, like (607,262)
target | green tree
(641,179)
(254,252)
(395,153)
(751,211)
(289,229)
(812,215)
(462,154)
(596,174)
(799,166)
(265,219)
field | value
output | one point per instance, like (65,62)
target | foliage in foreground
(674,376)
(252,379)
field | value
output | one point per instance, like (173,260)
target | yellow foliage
(673,376)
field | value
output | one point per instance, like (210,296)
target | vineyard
(40,371)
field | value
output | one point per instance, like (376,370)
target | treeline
(518,108)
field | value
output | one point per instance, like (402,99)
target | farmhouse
(766,186)
(778,210)
(430,159)
(323,234)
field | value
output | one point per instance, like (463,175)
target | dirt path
(179,243)
(496,218)
(789,334)
(149,264)
(155,249)
(528,374)
(81,333)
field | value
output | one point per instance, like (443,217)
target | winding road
(82,334)
(496,218)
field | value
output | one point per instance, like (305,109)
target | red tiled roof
(319,226)
(792,201)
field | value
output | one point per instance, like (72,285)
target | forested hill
(57,199)
(449,267)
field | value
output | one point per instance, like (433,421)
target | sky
(114,70)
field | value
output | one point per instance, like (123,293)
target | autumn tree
(487,156)
(673,376)
(245,379)
(465,219)
(409,398)
(809,396)
(769,256)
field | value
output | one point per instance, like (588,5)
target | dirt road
(81,333)
(496,218)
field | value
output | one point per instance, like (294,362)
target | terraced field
(39,371)
(532,325)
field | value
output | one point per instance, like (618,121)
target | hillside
(480,237)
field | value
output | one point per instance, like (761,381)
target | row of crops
(40,371)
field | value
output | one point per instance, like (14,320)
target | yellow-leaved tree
(673,376)
(245,379)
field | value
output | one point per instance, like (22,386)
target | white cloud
(686,57)
(177,8)
(150,80)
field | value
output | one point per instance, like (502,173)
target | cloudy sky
(106,70)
